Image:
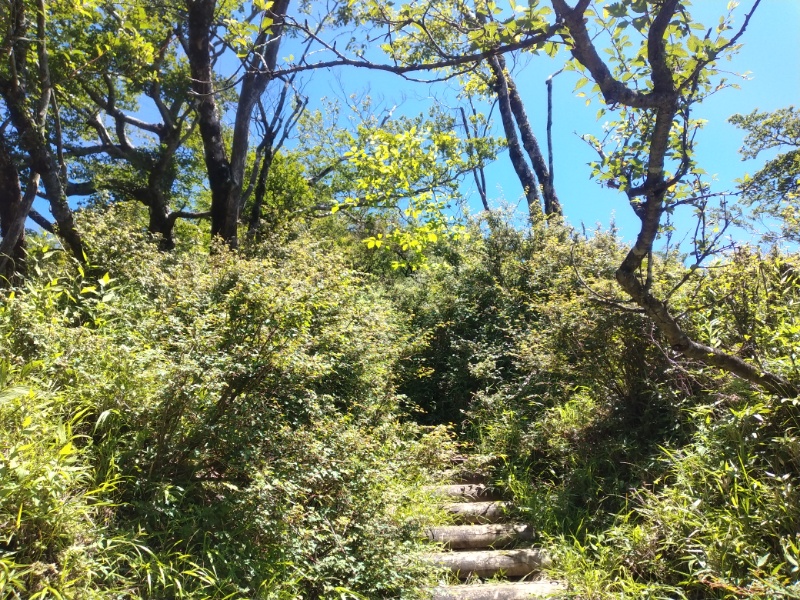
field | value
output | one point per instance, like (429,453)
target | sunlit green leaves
(773,191)
(429,33)
(408,172)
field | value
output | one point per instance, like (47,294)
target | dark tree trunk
(12,219)
(512,111)
(28,115)
(551,204)
(226,176)
(254,84)
(160,181)
(159,223)
(201,21)
(260,193)
(521,168)
(43,162)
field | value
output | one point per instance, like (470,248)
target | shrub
(238,414)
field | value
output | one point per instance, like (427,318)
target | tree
(661,65)
(226,173)
(405,171)
(773,191)
(672,69)
(132,158)
(441,34)
(27,91)
(653,86)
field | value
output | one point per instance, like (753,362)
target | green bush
(651,476)
(238,416)
(526,349)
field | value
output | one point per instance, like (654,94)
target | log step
(488,563)
(463,491)
(462,537)
(497,591)
(477,512)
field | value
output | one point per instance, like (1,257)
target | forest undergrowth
(261,423)
(191,426)
(651,476)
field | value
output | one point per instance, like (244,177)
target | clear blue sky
(771,54)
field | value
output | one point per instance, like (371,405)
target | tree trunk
(201,22)
(552,206)
(12,218)
(159,223)
(226,177)
(33,141)
(512,110)
(30,126)
(254,84)
(260,192)
(521,168)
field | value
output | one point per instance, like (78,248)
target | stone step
(464,491)
(462,537)
(497,591)
(488,563)
(477,512)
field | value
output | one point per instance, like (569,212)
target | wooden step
(464,491)
(477,512)
(497,591)
(471,469)
(462,537)
(488,563)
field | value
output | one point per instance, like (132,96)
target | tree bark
(12,218)
(552,206)
(521,168)
(30,126)
(260,191)
(218,167)
(259,74)
(225,176)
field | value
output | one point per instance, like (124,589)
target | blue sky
(771,55)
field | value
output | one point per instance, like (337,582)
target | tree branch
(41,221)
(341,60)
(583,50)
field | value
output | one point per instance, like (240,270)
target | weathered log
(488,563)
(477,512)
(461,537)
(497,591)
(465,491)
